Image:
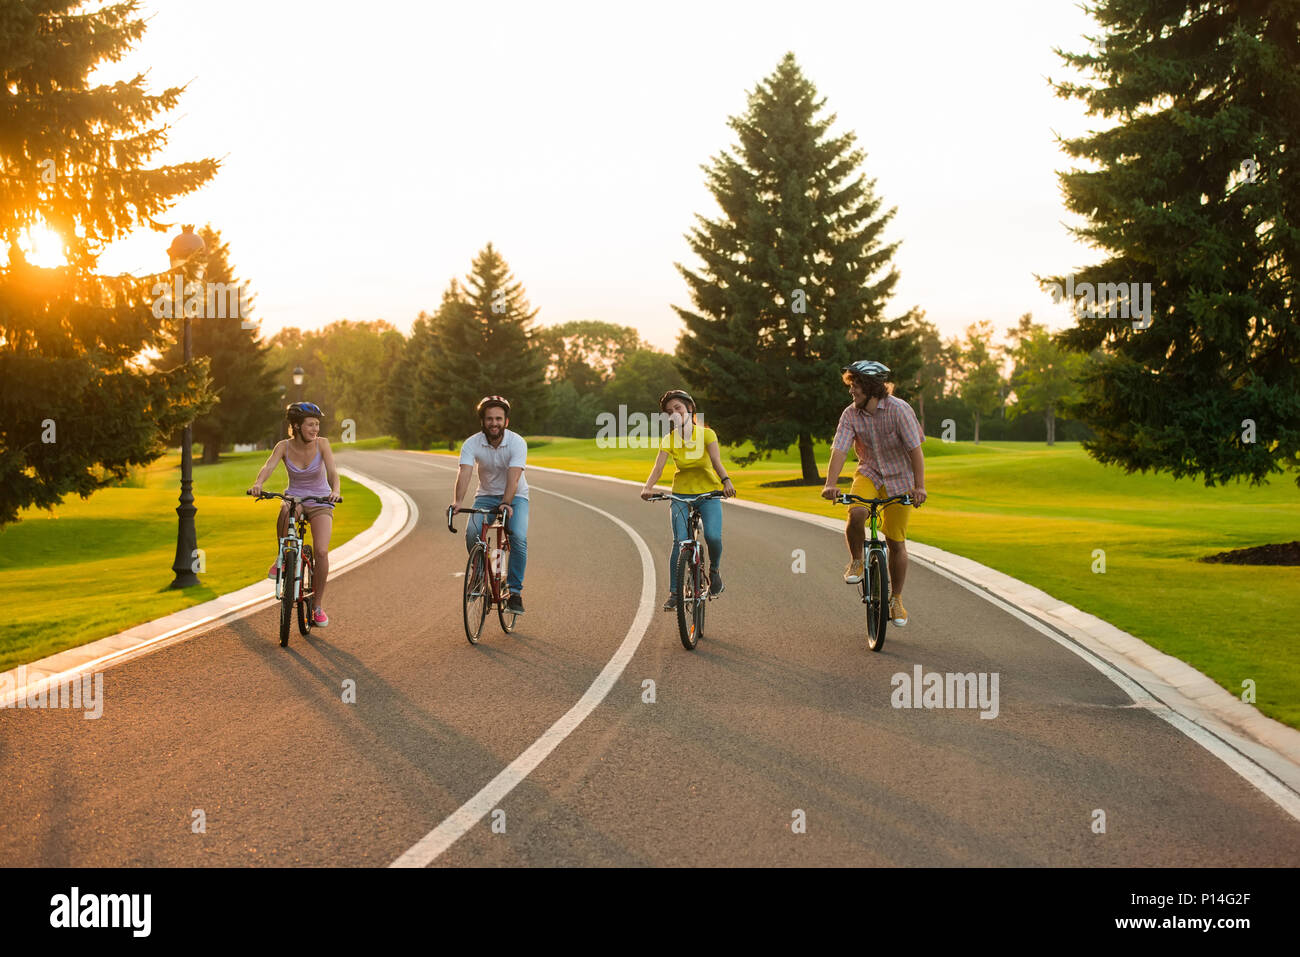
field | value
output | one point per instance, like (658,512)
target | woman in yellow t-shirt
(694,449)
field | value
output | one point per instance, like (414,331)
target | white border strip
(429,847)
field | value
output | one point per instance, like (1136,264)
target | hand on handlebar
(830,492)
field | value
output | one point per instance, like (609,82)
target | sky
(369,151)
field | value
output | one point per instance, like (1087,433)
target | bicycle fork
(289,544)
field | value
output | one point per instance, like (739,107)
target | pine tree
(238,362)
(1195,192)
(795,276)
(77,406)
(483,344)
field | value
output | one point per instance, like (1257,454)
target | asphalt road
(774,743)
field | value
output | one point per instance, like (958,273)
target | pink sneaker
(320,619)
(274,572)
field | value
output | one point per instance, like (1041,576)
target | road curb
(397,516)
(1271,745)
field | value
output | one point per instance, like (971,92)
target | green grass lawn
(96,566)
(1038,513)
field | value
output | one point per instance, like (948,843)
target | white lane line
(427,849)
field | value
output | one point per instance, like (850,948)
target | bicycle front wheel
(478,592)
(306,605)
(690,612)
(289,580)
(877,597)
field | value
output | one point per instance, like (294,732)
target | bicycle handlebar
(452,511)
(298,498)
(844,498)
(665,496)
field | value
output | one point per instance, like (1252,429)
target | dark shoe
(515,604)
(671,603)
(715,583)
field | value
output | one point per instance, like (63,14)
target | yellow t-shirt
(694,470)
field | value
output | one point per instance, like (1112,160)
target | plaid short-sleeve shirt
(882,441)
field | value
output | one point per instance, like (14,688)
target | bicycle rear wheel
(876,590)
(306,605)
(478,592)
(288,574)
(690,621)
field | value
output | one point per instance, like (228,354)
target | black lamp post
(181,251)
(298,375)
(279,426)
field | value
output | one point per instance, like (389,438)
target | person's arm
(913,438)
(655,472)
(513,474)
(918,473)
(728,487)
(272,461)
(331,473)
(840,446)
(831,488)
(463,475)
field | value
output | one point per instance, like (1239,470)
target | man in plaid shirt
(887,438)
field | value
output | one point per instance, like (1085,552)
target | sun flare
(44,247)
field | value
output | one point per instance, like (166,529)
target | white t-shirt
(494,463)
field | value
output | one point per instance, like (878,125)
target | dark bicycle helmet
(488,401)
(298,411)
(868,369)
(675,394)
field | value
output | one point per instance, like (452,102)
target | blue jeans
(710,519)
(516,527)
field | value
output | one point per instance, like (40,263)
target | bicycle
(485,573)
(296,560)
(875,570)
(691,577)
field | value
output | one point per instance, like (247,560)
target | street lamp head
(298,375)
(185,246)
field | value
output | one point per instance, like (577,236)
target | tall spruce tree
(77,406)
(241,375)
(1195,190)
(483,343)
(795,276)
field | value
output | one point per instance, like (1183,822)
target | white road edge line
(1271,787)
(1246,767)
(426,850)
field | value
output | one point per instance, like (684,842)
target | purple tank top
(309,481)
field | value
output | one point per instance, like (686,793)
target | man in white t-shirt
(501,456)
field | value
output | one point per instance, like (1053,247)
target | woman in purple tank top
(310,464)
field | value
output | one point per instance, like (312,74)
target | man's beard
(487,429)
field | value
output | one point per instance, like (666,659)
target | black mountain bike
(875,570)
(691,574)
(295,584)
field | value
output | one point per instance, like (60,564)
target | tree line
(1188,193)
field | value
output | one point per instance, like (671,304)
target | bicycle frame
(295,537)
(872,585)
(294,542)
(496,569)
(694,523)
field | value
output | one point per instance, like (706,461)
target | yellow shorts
(893,518)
